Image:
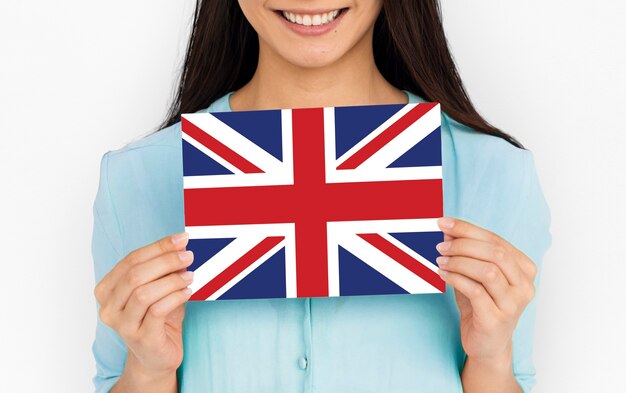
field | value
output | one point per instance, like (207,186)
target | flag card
(313,202)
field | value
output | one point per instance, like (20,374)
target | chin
(313,57)
(311,61)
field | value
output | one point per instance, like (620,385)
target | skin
(143,297)
(493,284)
(333,69)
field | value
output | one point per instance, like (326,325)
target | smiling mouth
(319,19)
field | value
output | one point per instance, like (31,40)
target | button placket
(304,361)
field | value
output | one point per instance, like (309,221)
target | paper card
(313,202)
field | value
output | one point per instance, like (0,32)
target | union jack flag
(313,202)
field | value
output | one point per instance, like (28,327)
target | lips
(306,22)
(311,18)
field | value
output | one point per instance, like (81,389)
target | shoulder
(165,139)
(140,191)
(484,161)
(153,157)
(489,181)
(475,152)
(478,150)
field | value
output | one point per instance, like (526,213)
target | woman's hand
(142,298)
(493,284)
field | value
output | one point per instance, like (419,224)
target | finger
(155,316)
(527,265)
(459,228)
(146,272)
(485,251)
(447,237)
(147,295)
(167,244)
(170,243)
(482,304)
(485,273)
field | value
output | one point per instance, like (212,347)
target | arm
(109,350)
(494,281)
(141,296)
(136,379)
(490,376)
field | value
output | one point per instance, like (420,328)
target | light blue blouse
(390,343)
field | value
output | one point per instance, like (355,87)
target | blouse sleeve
(531,235)
(108,348)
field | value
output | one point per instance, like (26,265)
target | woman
(251,55)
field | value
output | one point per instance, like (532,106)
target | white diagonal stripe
(224,258)
(234,141)
(246,237)
(245,272)
(410,252)
(379,130)
(408,138)
(210,153)
(386,265)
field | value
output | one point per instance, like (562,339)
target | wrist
(502,360)
(489,375)
(492,373)
(500,365)
(147,379)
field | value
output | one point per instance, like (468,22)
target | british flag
(313,202)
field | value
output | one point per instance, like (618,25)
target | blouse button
(302,363)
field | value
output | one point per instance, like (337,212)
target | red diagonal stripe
(237,267)
(218,148)
(404,259)
(387,135)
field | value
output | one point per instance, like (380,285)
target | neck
(354,79)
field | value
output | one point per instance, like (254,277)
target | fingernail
(445,222)
(443,246)
(443,273)
(185,256)
(187,275)
(187,291)
(180,238)
(442,261)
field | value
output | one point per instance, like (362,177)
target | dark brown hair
(411,53)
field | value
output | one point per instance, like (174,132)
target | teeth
(311,20)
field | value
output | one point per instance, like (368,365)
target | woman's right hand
(143,299)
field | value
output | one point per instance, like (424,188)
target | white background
(78,78)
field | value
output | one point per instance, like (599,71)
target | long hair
(410,50)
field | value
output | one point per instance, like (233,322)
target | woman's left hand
(493,284)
